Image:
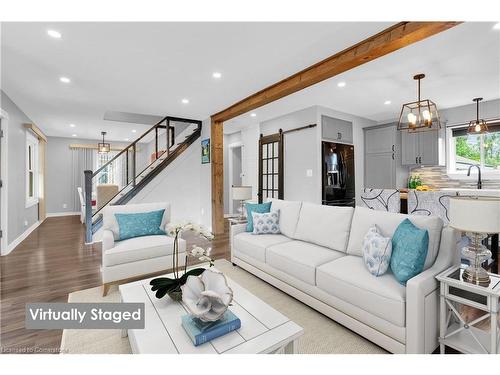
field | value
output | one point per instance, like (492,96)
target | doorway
(235,177)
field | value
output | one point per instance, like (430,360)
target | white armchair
(135,257)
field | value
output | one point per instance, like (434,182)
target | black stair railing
(119,177)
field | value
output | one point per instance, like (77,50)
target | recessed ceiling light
(72,125)
(216,74)
(341,84)
(387,102)
(497,26)
(64,80)
(73,135)
(185,101)
(253,114)
(54,34)
(134,131)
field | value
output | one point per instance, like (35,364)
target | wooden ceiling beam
(383,43)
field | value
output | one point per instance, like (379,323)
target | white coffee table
(263,329)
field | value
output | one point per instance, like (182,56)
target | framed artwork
(205,151)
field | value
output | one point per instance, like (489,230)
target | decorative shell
(208,296)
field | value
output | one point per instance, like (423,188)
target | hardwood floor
(51,263)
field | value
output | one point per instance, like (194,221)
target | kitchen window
(31,169)
(474,149)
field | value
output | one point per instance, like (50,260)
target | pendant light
(103,148)
(477,126)
(421,115)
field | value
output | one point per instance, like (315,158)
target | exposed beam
(383,43)
(217,155)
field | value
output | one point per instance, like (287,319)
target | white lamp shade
(475,214)
(241,193)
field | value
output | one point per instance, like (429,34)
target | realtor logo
(84,316)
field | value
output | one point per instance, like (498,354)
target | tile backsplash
(437,177)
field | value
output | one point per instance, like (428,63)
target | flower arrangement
(172,286)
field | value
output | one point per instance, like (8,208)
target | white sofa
(318,260)
(134,257)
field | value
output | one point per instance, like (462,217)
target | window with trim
(475,149)
(109,174)
(31,169)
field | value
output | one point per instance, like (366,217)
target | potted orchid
(172,286)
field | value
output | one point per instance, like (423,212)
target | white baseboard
(57,214)
(21,238)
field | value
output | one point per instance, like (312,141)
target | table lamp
(241,193)
(478,217)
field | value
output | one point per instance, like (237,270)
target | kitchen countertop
(490,192)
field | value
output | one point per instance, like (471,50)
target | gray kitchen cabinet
(383,168)
(422,148)
(409,148)
(336,130)
(380,171)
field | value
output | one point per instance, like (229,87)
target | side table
(457,333)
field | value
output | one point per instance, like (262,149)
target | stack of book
(202,332)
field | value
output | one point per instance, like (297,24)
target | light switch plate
(309,173)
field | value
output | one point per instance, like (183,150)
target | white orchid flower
(197,251)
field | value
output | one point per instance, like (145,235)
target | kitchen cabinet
(383,168)
(423,148)
(380,170)
(336,130)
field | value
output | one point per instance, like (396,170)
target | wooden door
(271,166)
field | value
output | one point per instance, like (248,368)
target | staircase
(135,167)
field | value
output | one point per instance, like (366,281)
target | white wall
(302,152)
(20,218)
(179,184)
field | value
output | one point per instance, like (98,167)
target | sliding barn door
(271,166)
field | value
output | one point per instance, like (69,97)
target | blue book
(202,332)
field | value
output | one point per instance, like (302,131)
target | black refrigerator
(338,174)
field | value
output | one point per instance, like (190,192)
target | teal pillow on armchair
(409,250)
(140,224)
(260,208)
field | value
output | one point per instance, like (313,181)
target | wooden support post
(217,156)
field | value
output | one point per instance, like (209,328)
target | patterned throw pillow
(255,207)
(377,251)
(266,223)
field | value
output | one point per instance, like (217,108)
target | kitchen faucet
(479,182)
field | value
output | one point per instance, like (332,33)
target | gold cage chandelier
(421,115)
(477,126)
(103,148)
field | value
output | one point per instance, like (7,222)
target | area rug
(321,334)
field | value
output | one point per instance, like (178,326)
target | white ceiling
(149,67)
(460,64)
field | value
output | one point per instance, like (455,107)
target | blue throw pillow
(409,250)
(260,208)
(139,224)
